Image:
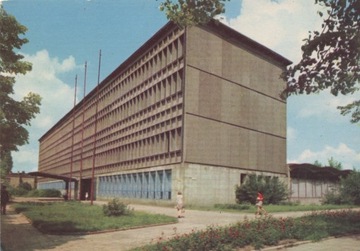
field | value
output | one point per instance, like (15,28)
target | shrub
(44,193)
(272,188)
(116,208)
(348,192)
(333,198)
(19,191)
(350,187)
(25,185)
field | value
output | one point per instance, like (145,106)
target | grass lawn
(248,208)
(76,217)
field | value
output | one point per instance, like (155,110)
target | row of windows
(123,132)
(148,185)
(162,54)
(163,145)
(133,83)
(118,87)
(129,88)
(310,188)
(59,185)
(162,122)
(139,108)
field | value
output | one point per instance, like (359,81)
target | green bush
(116,208)
(348,192)
(350,188)
(44,193)
(272,188)
(25,185)
(19,191)
(333,198)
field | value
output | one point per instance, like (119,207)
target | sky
(64,34)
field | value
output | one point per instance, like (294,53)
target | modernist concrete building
(192,110)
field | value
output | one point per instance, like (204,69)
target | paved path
(17,234)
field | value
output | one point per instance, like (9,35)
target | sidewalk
(17,234)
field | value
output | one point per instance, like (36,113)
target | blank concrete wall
(234,116)
(214,143)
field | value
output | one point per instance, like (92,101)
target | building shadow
(17,233)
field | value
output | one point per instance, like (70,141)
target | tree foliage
(331,57)
(5,164)
(335,164)
(192,12)
(350,188)
(349,191)
(331,162)
(14,115)
(318,163)
(272,188)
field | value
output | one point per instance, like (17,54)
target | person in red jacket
(259,204)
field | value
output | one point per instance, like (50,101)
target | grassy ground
(248,208)
(76,217)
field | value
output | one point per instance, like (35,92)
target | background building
(310,183)
(16,179)
(192,110)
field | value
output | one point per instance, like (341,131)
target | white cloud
(57,100)
(57,96)
(322,105)
(27,157)
(349,158)
(280,25)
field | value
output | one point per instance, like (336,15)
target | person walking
(4,199)
(180,205)
(259,204)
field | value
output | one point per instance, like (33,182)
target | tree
(335,164)
(14,115)
(331,57)
(272,188)
(349,191)
(350,187)
(317,163)
(331,162)
(5,164)
(192,12)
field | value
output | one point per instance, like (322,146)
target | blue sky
(63,34)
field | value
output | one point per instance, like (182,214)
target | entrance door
(85,189)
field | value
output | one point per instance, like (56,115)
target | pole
(82,132)
(95,133)
(72,138)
